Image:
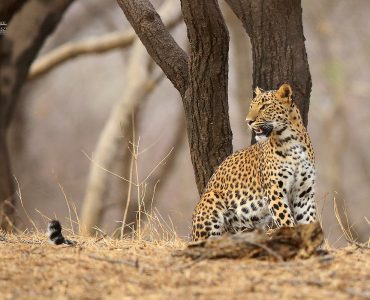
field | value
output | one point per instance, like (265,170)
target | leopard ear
(284,92)
(258,91)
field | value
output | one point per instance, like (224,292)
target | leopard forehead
(264,97)
(266,105)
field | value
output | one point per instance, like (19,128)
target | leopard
(270,184)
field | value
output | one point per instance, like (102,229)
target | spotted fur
(271,183)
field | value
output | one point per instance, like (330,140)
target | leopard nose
(249,121)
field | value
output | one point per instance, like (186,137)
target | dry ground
(30,268)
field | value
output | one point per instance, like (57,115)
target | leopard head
(269,111)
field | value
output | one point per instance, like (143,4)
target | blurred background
(62,113)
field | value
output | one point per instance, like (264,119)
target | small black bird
(55,236)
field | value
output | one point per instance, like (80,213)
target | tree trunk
(279,55)
(278,49)
(7,11)
(6,187)
(8,8)
(25,35)
(205,102)
(202,82)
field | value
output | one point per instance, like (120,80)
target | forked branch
(157,40)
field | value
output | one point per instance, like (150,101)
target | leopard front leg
(209,216)
(304,206)
(278,205)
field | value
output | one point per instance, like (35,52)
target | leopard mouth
(263,130)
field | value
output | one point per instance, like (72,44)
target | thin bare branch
(95,45)
(71,50)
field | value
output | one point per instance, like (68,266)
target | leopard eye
(263,106)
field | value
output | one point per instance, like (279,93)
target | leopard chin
(263,132)
(260,137)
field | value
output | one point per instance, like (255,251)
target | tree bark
(202,82)
(25,35)
(6,187)
(8,8)
(205,102)
(157,40)
(7,11)
(279,54)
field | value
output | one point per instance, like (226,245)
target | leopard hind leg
(209,216)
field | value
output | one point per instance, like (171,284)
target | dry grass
(146,265)
(30,268)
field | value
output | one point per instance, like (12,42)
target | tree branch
(108,42)
(68,51)
(24,37)
(157,40)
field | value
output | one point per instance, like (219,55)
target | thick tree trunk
(279,53)
(6,187)
(202,82)
(205,102)
(8,8)
(25,35)
(7,11)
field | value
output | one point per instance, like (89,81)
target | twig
(191,263)
(101,238)
(128,200)
(106,170)
(69,209)
(160,163)
(21,200)
(267,249)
